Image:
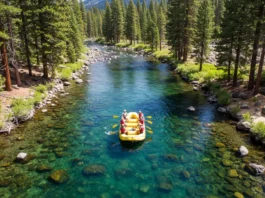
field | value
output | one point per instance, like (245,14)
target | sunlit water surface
(180,158)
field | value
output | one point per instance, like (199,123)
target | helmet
(124,110)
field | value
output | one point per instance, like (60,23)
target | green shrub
(215,86)
(235,110)
(247,117)
(21,107)
(259,129)
(50,85)
(223,97)
(74,66)
(66,73)
(2,82)
(38,96)
(41,88)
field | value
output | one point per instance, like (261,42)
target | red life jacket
(122,130)
(140,114)
(142,121)
(141,129)
(122,122)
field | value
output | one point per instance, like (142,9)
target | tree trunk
(12,49)
(230,60)
(160,41)
(255,48)
(25,35)
(259,75)
(186,36)
(8,85)
(43,50)
(238,51)
(202,52)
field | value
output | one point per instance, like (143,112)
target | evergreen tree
(143,21)
(204,29)
(117,18)
(90,25)
(84,16)
(108,34)
(161,24)
(153,11)
(131,22)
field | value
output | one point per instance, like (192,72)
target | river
(189,154)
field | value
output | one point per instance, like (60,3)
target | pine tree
(90,24)
(5,11)
(108,34)
(153,11)
(84,16)
(204,29)
(161,24)
(117,18)
(131,22)
(259,17)
(143,21)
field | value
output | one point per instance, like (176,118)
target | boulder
(43,168)
(66,83)
(232,173)
(195,88)
(243,126)
(221,109)
(191,108)
(79,81)
(195,82)
(21,156)
(220,145)
(258,169)
(243,151)
(212,99)
(257,104)
(244,106)
(59,176)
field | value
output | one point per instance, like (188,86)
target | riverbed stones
(227,162)
(256,169)
(66,83)
(94,170)
(221,109)
(79,81)
(43,168)
(232,173)
(59,176)
(238,195)
(243,126)
(165,186)
(243,151)
(185,174)
(191,109)
(5,182)
(220,145)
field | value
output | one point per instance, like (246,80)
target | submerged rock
(243,151)
(238,195)
(43,168)
(165,186)
(185,174)
(92,170)
(232,173)
(220,145)
(59,176)
(191,108)
(255,169)
(5,182)
(221,109)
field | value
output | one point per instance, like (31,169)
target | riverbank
(19,105)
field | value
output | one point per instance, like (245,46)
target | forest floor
(24,91)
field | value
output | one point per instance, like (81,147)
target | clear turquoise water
(72,135)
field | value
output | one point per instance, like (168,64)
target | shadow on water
(132,145)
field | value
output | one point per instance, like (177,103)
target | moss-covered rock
(59,176)
(94,170)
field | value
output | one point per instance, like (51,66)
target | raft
(132,133)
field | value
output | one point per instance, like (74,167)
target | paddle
(114,126)
(148,127)
(150,122)
(149,131)
(149,117)
(115,116)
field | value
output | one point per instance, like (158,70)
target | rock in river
(219,145)
(43,168)
(257,169)
(243,151)
(243,126)
(191,108)
(94,170)
(59,176)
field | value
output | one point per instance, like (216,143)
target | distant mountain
(101,3)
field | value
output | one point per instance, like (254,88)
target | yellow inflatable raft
(132,129)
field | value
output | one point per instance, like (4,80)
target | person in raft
(140,114)
(141,120)
(141,128)
(123,130)
(124,114)
(122,121)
